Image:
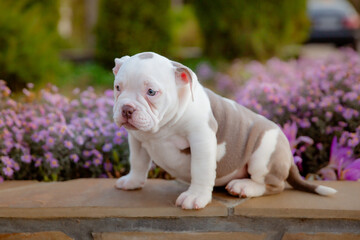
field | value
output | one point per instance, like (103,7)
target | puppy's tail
(295,180)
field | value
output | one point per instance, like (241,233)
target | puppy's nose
(127,111)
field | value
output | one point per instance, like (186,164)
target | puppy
(197,136)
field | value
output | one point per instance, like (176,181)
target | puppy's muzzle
(127,111)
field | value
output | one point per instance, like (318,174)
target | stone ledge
(35,236)
(321,236)
(97,198)
(179,236)
(345,204)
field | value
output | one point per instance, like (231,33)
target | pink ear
(184,77)
(116,69)
(118,63)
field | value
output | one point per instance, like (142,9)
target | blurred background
(73,43)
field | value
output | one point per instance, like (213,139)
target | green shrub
(238,28)
(185,29)
(28,41)
(129,27)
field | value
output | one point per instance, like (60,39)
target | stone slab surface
(14,184)
(35,236)
(179,236)
(98,198)
(321,236)
(295,204)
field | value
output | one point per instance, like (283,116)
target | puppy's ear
(118,63)
(183,76)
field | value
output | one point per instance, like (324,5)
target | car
(333,21)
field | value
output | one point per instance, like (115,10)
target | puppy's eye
(117,88)
(151,92)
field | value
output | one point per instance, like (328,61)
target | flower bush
(316,99)
(52,137)
(48,136)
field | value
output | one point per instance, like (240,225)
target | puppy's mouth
(129,126)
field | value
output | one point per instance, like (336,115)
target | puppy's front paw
(191,200)
(129,183)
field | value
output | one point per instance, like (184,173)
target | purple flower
(108,166)
(290,131)
(48,156)
(30,85)
(97,154)
(88,132)
(50,142)
(16,166)
(97,161)
(341,165)
(68,144)
(339,155)
(7,161)
(8,171)
(204,71)
(54,163)
(80,140)
(26,158)
(38,162)
(87,164)
(87,153)
(74,157)
(298,162)
(107,147)
(328,174)
(351,172)
(354,140)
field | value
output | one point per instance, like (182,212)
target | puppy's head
(149,90)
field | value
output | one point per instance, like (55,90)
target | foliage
(51,137)
(320,96)
(185,31)
(84,75)
(28,41)
(238,28)
(131,27)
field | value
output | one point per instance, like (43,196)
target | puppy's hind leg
(268,168)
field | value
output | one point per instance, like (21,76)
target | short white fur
(261,157)
(325,191)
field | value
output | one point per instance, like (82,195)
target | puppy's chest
(171,153)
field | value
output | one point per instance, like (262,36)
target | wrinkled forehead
(145,66)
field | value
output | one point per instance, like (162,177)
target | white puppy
(197,136)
